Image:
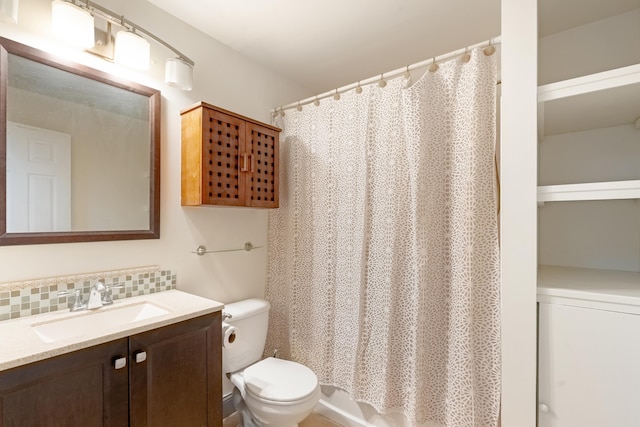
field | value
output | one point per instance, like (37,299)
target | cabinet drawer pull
(543,408)
(120,362)
(141,356)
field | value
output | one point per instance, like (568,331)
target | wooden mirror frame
(11,47)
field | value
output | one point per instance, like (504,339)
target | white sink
(90,321)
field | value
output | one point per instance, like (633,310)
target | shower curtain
(383,269)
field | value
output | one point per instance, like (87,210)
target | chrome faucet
(99,296)
(95,297)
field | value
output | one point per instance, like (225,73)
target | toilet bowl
(276,392)
(268,392)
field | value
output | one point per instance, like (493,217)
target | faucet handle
(78,304)
(107,295)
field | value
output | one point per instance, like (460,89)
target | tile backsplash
(26,298)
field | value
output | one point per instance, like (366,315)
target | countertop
(20,344)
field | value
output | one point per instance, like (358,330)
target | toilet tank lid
(246,308)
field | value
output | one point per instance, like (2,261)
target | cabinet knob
(543,408)
(120,362)
(141,356)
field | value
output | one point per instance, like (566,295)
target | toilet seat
(279,381)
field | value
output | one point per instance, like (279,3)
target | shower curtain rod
(493,41)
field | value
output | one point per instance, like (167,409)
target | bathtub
(338,406)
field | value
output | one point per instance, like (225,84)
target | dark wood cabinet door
(176,375)
(82,388)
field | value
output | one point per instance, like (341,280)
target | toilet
(271,391)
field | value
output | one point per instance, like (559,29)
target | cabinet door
(82,388)
(223,142)
(262,179)
(588,369)
(176,375)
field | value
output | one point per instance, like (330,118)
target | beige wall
(221,77)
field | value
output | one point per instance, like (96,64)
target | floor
(313,420)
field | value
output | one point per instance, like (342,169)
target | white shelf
(590,288)
(610,98)
(615,190)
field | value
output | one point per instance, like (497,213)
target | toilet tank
(251,319)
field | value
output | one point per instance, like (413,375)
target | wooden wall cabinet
(172,377)
(228,159)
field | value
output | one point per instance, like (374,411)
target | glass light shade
(132,50)
(72,24)
(9,11)
(178,74)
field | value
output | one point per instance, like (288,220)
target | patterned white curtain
(383,256)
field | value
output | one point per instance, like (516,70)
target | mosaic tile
(19,299)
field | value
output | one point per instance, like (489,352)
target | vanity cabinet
(228,159)
(176,374)
(170,376)
(82,388)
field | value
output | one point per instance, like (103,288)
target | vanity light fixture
(132,47)
(72,24)
(178,73)
(9,11)
(132,50)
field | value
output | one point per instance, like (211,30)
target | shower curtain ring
(382,82)
(434,66)
(466,57)
(490,50)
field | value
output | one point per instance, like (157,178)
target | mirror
(79,152)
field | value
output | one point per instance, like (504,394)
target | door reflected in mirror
(81,150)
